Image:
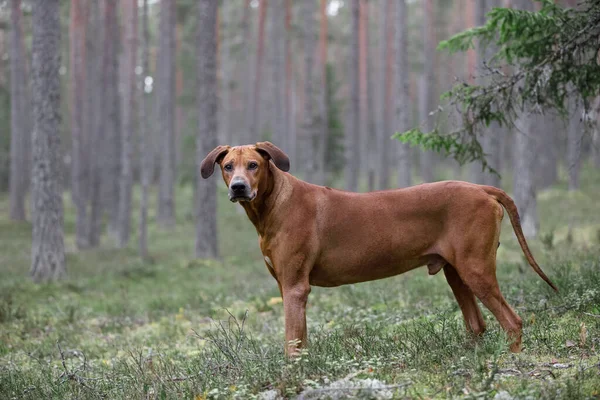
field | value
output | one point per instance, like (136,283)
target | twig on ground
(68,375)
(184,378)
(548,372)
(592,315)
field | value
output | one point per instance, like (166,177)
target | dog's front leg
(294,306)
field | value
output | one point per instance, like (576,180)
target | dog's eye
(252,165)
(228,167)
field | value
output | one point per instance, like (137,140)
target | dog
(313,235)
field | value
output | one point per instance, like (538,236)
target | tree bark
(95,117)
(353,153)
(19,152)
(179,119)
(145,149)
(226,109)
(525,190)
(426,87)
(278,55)
(47,249)
(111,169)
(596,147)
(322,130)
(255,123)
(309,133)
(289,88)
(596,135)
(128,123)
(387,57)
(369,116)
(475,63)
(492,138)
(166,113)
(402,92)
(548,150)
(246,137)
(575,131)
(79,177)
(205,199)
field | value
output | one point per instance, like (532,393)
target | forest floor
(185,328)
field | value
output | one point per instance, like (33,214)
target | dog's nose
(238,187)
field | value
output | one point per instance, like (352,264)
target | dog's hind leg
(466,300)
(480,277)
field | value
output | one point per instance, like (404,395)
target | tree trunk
(308,126)
(548,150)
(79,177)
(322,130)
(255,125)
(226,111)
(402,92)
(95,117)
(369,138)
(493,136)
(596,146)
(128,122)
(247,134)
(369,115)
(492,142)
(525,190)
(387,57)
(145,149)
(179,115)
(475,62)
(19,152)
(289,87)
(426,87)
(575,132)
(278,66)
(166,113)
(47,249)
(596,135)
(206,201)
(525,159)
(112,119)
(353,158)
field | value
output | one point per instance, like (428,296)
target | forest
(124,274)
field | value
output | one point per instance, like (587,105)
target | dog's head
(245,169)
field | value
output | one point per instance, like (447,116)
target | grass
(185,328)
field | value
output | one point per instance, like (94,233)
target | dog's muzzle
(239,190)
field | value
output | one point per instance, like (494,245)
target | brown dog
(315,235)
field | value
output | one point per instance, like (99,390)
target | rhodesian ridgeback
(313,235)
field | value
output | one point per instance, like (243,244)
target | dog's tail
(515,220)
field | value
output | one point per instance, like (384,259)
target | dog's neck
(271,194)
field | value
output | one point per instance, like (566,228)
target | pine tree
(47,248)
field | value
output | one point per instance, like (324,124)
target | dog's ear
(280,159)
(216,156)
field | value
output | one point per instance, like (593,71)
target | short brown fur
(317,236)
